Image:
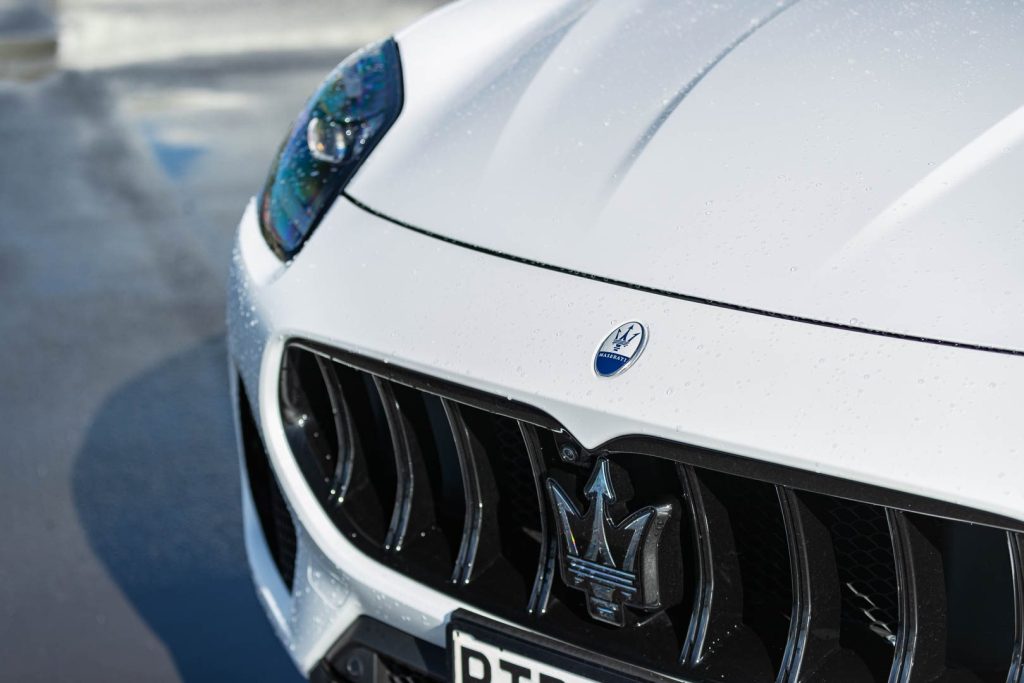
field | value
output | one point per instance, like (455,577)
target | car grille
(767,573)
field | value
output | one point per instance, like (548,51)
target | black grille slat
(867,596)
(365,510)
(720,643)
(768,573)
(863,538)
(476,479)
(403,444)
(510,542)
(546,559)
(310,420)
(968,577)
(921,641)
(434,490)
(1016,545)
(344,432)
(716,608)
(813,646)
(764,561)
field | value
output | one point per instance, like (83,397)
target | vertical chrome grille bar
(814,627)
(718,601)
(546,558)
(1016,543)
(345,448)
(906,638)
(921,642)
(401,441)
(466,451)
(705,580)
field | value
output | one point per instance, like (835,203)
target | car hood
(857,165)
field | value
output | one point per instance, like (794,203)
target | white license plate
(477,661)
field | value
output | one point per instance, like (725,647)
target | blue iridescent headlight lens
(343,121)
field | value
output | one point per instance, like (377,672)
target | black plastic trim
(682,297)
(368,634)
(271,508)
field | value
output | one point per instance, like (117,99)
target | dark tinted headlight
(343,121)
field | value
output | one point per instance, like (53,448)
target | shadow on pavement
(156,487)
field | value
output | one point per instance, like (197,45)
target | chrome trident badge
(616,565)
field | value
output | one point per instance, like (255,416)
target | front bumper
(932,420)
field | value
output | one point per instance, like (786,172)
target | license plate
(477,661)
(485,651)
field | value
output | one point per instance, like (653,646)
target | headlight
(338,128)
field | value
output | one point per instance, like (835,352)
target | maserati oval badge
(620,349)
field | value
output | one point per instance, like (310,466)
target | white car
(631,340)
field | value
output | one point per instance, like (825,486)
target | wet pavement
(131,143)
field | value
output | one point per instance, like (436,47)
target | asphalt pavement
(131,136)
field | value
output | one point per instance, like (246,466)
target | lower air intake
(272,511)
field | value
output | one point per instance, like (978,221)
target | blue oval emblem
(620,349)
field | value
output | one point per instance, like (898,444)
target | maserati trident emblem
(614,564)
(620,349)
